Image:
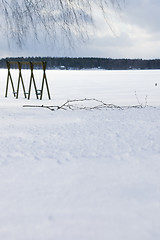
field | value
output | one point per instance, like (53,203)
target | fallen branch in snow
(83,104)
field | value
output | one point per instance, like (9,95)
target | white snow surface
(82,175)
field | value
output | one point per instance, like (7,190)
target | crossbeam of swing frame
(26,62)
(32,79)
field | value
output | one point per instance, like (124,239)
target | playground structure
(32,79)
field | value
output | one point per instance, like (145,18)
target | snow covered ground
(84,175)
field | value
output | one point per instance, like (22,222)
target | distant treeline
(89,63)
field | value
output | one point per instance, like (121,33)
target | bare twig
(140,103)
(83,104)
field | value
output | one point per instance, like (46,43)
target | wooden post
(44,64)
(34,83)
(9,77)
(20,78)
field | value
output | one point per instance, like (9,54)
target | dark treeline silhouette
(88,63)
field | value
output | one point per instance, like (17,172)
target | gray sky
(135,34)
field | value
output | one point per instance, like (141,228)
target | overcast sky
(135,34)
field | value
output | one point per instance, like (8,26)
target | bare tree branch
(52,17)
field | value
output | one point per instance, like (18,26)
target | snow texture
(83,175)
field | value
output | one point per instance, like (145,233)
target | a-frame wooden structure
(38,93)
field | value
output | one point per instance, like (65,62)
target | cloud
(144,14)
(136,32)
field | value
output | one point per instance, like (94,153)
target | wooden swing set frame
(38,93)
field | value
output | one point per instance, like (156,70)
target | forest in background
(88,63)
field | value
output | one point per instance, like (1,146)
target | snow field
(82,174)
